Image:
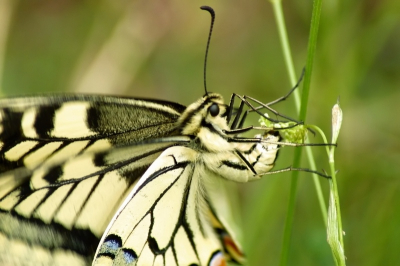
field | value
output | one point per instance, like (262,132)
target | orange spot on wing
(235,252)
(218,260)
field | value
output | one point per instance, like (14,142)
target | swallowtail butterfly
(122,181)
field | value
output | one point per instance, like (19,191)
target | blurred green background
(155,49)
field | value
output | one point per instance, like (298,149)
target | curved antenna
(212,13)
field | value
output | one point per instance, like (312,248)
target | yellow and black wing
(169,219)
(132,179)
(62,177)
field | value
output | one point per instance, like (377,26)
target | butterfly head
(209,112)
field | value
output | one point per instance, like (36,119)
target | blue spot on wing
(129,255)
(113,242)
(110,246)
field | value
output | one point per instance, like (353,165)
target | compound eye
(213,109)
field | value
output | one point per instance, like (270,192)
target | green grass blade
(302,108)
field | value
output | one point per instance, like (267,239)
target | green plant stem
(280,22)
(334,224)
(312,43)
(302,109)
(335,193)
(316,178)
(317,184)
(290,212)
(6,12)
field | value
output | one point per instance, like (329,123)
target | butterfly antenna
(212,13)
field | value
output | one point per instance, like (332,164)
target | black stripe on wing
(37,121)
(44,121)
(27,207)
(53,236)
(11,123)
(165,218)
(113,244)
(124,160)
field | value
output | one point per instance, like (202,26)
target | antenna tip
(209,9)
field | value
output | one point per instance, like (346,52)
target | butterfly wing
(167,219)
(62,177)
(85,176)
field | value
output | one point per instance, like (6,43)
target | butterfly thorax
(205,120)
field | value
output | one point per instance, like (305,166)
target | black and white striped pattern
(135,173)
